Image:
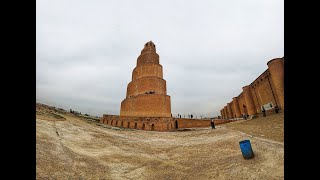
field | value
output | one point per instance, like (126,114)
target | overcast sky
(209,50)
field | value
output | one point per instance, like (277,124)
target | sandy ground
(270,127)
(73,148)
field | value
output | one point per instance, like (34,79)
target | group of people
(151,92)
(189,116)
(276,108)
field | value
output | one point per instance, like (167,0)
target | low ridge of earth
(73,147)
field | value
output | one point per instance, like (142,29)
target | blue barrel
(246,149)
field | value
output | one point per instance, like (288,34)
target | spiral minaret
(147,91)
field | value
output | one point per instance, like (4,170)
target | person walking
(263,111)
(212,124)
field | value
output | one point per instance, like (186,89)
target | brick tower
(147,91)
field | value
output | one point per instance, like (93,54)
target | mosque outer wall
(152,123)
(142,123)
(157,123)
(266,88)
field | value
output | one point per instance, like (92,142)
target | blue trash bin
(246,149)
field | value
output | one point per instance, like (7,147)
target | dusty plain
(73,147)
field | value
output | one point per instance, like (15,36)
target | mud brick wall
(266,88)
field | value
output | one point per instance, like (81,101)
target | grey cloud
(86,50)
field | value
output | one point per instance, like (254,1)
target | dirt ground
(73,148)
(270,127)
